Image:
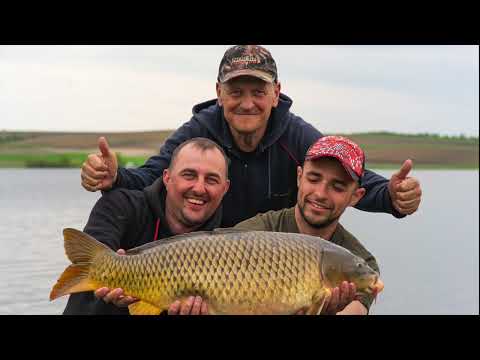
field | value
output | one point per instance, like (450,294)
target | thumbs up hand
(99,171)
(405,191)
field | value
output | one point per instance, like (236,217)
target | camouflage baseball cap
(350,155)
(251,60)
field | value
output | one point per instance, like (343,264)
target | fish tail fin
(81,249)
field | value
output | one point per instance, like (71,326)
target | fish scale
(227,263)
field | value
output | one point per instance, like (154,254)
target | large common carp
(235,272)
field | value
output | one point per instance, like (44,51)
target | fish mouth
(376,287)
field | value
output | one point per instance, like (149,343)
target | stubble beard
(187,222)
(316,225)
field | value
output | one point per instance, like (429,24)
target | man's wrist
(116,179)
(389,200)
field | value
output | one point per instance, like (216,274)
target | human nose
(199,186)
(321,190)
(247,102)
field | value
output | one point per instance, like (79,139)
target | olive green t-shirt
(284,221)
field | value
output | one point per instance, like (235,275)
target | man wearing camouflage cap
(251,121)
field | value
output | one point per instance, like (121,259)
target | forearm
(354,308)
(143,176)
(139,178)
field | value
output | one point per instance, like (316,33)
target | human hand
(193,306)
(115,296)
(405,191)
(99,171)
(340,297)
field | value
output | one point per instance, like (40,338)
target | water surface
(428,261)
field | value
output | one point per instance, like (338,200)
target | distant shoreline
(75,160)
(383,150)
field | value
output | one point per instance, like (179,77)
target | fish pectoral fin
(320,308)
(143,308)
(319,302)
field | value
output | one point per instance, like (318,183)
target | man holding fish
(328,182)
(187,198)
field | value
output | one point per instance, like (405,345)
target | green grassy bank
(75,160)
(62,160)
(384,150)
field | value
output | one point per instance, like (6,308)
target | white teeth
(195,201)
(318,206)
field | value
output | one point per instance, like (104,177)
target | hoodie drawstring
(157,226)
(269,176)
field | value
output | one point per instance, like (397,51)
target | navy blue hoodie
(262,180)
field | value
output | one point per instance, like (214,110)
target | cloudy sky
(339,89)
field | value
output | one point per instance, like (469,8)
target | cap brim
(248,72)
(347,169)
(351,173)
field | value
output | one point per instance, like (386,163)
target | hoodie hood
(210,115)
(156,195)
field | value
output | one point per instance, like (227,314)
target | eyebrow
(195,171)
(317,174)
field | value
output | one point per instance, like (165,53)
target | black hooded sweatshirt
(124,219)
(263,180)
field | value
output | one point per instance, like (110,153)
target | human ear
(218,88)
(357,196)
(166,177)
(299,175)
(276,91)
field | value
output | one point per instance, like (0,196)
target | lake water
(429,261)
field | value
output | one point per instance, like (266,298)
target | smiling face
(325,190)
(195,187)
(247,104)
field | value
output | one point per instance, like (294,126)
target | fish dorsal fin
(142,248)
(176,238)
(143,308)
(170,240)
(229,231)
